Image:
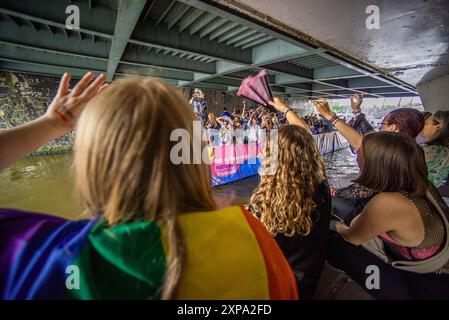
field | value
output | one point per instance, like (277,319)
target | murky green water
(45,184)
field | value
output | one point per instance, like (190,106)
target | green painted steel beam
(212,26)
(158,38)
(288,78)
(210,7)
(177,16)
(366,83)
(241,36)
(226,28)
(334,72)
(131,57)
(202,85)
(239,18)
(165,12)
(249,39)
(22,53)
(232,33)
(42,68)
(149,35)
(257,42)
(190,18)
(59,20)
(275,51)
(155,72)
(128,15)
(202,22)
(173,82)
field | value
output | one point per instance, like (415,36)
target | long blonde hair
(122,162)
(283,201)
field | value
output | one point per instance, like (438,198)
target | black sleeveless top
(307,254)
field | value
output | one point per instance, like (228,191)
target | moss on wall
(24,97)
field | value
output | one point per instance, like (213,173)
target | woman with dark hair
(293,202)
(405,120)
(350,200)
(406,216)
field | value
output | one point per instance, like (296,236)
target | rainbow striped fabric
(229,255)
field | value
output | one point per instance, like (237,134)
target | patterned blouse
(437,159)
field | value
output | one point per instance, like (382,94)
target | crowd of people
(156,231)
(242,126)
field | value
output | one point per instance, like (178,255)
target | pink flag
(257,89)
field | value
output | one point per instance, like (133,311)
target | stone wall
(24,97)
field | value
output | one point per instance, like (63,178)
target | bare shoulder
(390,204)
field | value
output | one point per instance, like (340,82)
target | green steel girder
(127,17)
(155,72)
(173,61)
(52,58)
(41,68)
(104,22)
(192,33)
(170,39)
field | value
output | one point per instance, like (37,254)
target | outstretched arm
(60,118)
(354,138)
(291,116)
(359,122)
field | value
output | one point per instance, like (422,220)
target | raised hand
(67,105)
(323,108)
(356,102)
(278,104)
(61,116)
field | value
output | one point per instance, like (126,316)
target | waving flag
(257,89)
(229,255)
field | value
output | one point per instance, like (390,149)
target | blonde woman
(154,229)
(294,202)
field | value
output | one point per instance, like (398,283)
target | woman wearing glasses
(350,200)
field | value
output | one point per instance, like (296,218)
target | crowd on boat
(242,126)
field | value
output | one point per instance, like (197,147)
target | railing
(237,161)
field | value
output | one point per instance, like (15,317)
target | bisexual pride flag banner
(233,162)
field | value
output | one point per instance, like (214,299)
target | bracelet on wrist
(335,121)
(61,116)
(285,113)
(286,109)
(333,118)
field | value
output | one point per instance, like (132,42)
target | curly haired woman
(294,203)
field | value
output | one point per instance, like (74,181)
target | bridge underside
(188,43)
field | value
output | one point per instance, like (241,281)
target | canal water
(45,184)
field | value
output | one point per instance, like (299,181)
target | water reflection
(45,184)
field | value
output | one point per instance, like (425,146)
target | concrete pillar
(435,93)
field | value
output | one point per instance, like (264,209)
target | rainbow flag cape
(229,255)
